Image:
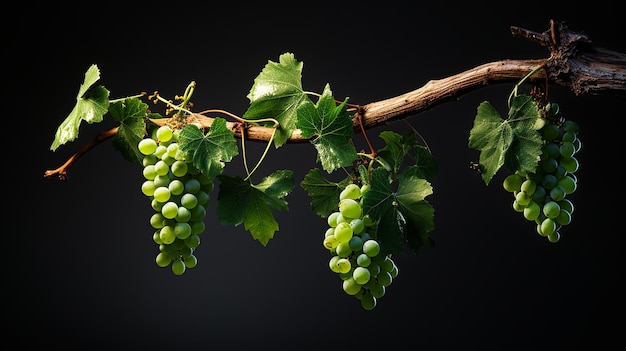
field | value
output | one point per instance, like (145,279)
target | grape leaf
(277,93)
(239,201)
(419,213)
(396,148)
(403,216)
(92,102)
(130,113)
(209,151)
(331,125)
(323,193)
(513,142)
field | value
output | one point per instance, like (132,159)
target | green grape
(332,219)
(548,226)
(164,133)
(167,234)
(531,212)
(522,198)
(176,187)
(179,168)
(368,302)
(343,232)
(554,237)
(344,265)
(148,188)
(528,186)
(182,230)
(343,249)
(551,209)
(189,200)
(163,260)
(568,183)
(161,168)
(384,278)
(169,210)
(178,267)
(570,164)
(363,260)
(192,185)
(371,248)
(190,261)
(350,208)
(351,287)
(351,191)
(557,193)
(356,243)
(361,275)
(357,225)
(192,241)
(512,183)
(162,194)
(330,242)
(149,172)
(147,146)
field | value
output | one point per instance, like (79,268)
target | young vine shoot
(376,209)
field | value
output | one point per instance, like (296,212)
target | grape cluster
(355,254)
(179,195)
(542,196)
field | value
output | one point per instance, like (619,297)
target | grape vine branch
(574,62)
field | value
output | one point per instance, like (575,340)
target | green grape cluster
(542,196)
(179,195)
(355,254)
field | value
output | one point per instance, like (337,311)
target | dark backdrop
(80,270)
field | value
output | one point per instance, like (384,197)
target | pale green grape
(361,275)
(182,230)
(344,265)
(164,133)
(147,146)
(163,259)
(162,194)
(350,208)
(169,210)
(351,287)
(343,232)
(351,191)
(179,168)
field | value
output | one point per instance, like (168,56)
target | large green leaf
(130,113)
(331,126)
(92,102)
(239,202)
(324,194)
(513,141)
(277,93)
(210,151)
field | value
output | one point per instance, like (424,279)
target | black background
(80,268)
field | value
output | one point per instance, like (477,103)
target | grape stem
(516,87)
(63,170)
